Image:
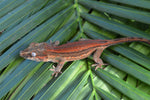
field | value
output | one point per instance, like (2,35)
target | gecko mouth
(25,55)
(28,55)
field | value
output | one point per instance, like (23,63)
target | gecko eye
(33,54)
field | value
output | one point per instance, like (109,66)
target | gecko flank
(71,51)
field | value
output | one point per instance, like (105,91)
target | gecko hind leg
(57,69)
(96,58)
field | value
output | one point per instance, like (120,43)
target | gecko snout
(24,54)
(21,53)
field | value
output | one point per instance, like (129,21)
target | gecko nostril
(21,53)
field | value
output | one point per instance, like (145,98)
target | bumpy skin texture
(71,51)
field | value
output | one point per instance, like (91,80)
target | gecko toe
(55,71)
(52,69)
(94,65)
(56,74)
(98,65)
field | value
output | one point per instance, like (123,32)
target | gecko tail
(128,39)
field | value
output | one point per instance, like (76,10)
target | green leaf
(41,77)
(34,36)
(139,3)
(27,25)
(126,76)
(105,95)
(119,28)
(60,84)
(128,66)
(7,6)
(122,86)
(19,12)
(117,10)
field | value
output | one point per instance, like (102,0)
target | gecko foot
(98,65)
(55,71)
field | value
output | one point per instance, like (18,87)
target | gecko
(53,52)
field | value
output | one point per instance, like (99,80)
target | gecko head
(35,51)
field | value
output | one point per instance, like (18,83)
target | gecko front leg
(56,43)
(96,58)
(58,68)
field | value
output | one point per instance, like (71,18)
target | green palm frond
(127,75)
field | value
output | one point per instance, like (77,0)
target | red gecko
(71,51)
